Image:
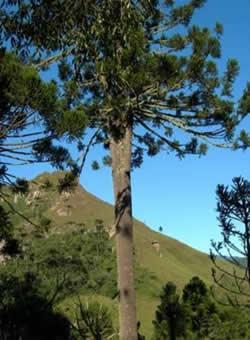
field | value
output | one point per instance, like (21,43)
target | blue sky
(179,195)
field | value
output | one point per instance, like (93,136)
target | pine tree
(28,109)
(195,316)
(201,309)
(136,72)
(233,207)
(28,112)
(8,244)
(195,292)
(170,317)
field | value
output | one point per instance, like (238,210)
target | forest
(89,85)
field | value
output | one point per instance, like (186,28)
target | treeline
(195,314)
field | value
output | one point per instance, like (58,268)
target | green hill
(161,258)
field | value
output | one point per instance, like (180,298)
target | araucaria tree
(27,132)
(233,206)
(28,112)
(139,71)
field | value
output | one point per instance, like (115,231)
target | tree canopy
(133,65)
(29,109)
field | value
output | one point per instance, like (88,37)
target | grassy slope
(175,262)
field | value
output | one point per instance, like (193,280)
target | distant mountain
(165,258)
(241,260)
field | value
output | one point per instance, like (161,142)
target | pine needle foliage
(140,60)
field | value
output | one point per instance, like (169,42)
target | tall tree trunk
(121,166)
(247,233)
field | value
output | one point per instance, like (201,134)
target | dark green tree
(198,315)
(5,224)
(21,186)
(8,244)
(201,309)
(233,207)
(67,183)
(195,292)
(170,317)
(28,111)
(136,71)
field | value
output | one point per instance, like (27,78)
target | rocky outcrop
(32,197)
(156,246)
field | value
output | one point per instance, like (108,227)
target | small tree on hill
(8,244)
(233,207)
(170,317)
(195,292)
(135,81)
(199,306)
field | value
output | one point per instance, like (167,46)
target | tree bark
(121,166)
(247,233)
